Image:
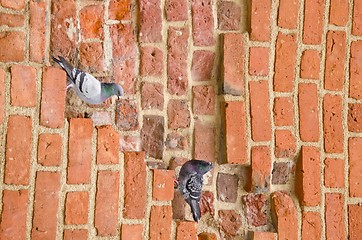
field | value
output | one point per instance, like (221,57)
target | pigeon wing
(87,85)
(194,187)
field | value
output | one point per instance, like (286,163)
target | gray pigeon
(190,183)
(87,87)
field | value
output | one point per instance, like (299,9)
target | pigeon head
(118,90)
(200,166)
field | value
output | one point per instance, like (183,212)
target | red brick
(160,222)
(283,111)
(119,10)
(134,185)
(63,23)
(285,144)
(285,59)
(12,47)
(334,216)
(46,200)
(107,199)
(176,10)
(232,68)
(335,60)
(163,185)
(107,145)
(313,22)
(127,114)
(311,225)
(235,132)
(255,209)
(75,234)
(132,232)
(207,236)
(152,134)
(186,230)
(207,203)
(259,61)
(263,236)
(124,73)
(284,216)
(288,14)
(53,97)
(152,96)
(178,206)
(307,178)
(178,114)
(13,216)
(11,20)
(354,117)
(76,208)
(150,21)
(357,18)
(260,111)
(202,23)
(203,100)
(355,82)
(202,65)
(332,124)
(227,187)
(230,223)
(261,168)
(16,5)
(151,61)
(49,149)
(91,57)
(228,15)
(123,42)
(355,167)
(176,141)
(79,150)
(23,86)
(260,20)
(2,95)
(18,150)
(204,142)
(91,21)
(37,26)
(354,221)
(310,64)
(177,43)
(334,173)
(308,112)
(339,12)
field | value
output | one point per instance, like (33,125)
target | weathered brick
(288,14)
(124,73)
(134,185)
(283,111)
(334,216)
(207,203)
(332,124)
(259,61)
(79,150)
(310,64)
(132,232)
(281,172)
(235,132)
(263,236)
(16,5)
(53,97)
(176,141)
(79,234)
(307,178)
(177,43)
(232,68)
(11,20)
(313,22)
(49,149)
(123,41)
(334,173)
(2,95)
(308,112)
(23,86)
(151,61)
(339,12)
(255,209)
(261,168)
(152,134)
(354,221)
(13,216)
(176,10)
(335,60)
(101,118)
(178,206)
(260,20)
(260,111)
(227,187)
(91,57)
(91,21)
(354,117)
(18,150)
(202,23)
(130,143)
(150,21)
(127,114)
(284,215)
(119,9)
(46,200)
(160,222)
(37,26)
(285,144)
(285,59)
(12,47)
(311,225)
(152,96)
(163,185)
(357,18)
(203,100)
(106,208)
(355,82)
(178,114)
(202,65)
(207,236)
(228,15)
(230,222)
(107,145)
(76,208)
(355,167)
(186,230)
(204,141)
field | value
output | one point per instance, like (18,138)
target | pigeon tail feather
(66,66)
(195,209)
